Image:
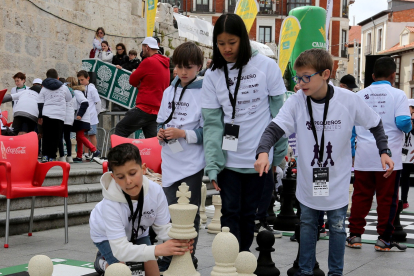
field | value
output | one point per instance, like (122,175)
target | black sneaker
(100,264)
(293,237)
(263,226)
(95,154)
(384,246)
(77,160)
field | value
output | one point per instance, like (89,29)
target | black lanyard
(233,100)
(179,99)
(407,135)
(86,92)
(133,216)
(325,113)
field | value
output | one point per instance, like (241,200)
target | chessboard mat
(371,235)
(61,267)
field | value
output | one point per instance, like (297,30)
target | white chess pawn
(203,216)
(246,264)
(215,225)
(40,265)
(118,269)
(225,249)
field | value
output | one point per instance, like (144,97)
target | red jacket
(151,78)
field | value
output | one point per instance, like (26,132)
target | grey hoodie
(109,220)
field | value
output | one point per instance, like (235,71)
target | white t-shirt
(70,112)
(261,78)
(346,109)
(109,219)
(15,90)
(26,101)
(187,116)
(389,103)
(1,122)
(55,102)
(93,97)
(80,98)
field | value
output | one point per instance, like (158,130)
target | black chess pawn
(265,265)
(399,234)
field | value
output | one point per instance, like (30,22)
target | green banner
(112,83)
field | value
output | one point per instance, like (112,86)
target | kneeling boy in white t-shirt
(132,203)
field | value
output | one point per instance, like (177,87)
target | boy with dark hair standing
(52,101)
(322,116)
(180,132)
(132,203)
(392,106)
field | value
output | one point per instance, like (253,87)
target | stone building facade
(37,35)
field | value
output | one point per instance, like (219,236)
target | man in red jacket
(151,78)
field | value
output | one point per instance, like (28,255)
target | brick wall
(335,38)
(214,20)
(403,16)
(252,33)
(219,6)
(278,26)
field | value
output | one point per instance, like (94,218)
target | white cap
(411,102)
(151,42)
(39,81)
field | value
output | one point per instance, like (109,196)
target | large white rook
(40,265)
(182,216)
(203,216)
(225,251)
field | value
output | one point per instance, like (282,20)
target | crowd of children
(48,107)
(232,126)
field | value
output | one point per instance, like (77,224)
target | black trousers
(405,180)
(66,136)
(52,132)
(135,119)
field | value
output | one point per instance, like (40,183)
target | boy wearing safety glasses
(322,116)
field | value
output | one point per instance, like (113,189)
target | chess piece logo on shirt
(328,155)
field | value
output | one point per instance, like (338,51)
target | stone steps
(85,191)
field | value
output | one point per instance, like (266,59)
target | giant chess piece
(225,249)
(265,265)
(399,234)
(245,264)
(295,268)
(270,212)
(203,216)
(40,265)
(118,269)
(287,219)
(182,217)
(215,225)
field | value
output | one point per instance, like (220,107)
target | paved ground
(357,262)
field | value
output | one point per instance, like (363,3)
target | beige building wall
(406,81)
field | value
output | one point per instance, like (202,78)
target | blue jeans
(308,235)
(240,195)
(106,252)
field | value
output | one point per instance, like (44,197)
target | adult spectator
(348,82)
(99,37)
(208,65)
(132,63)
(152,77)
(121,55)
(105,54)
(161,49)
(37,82)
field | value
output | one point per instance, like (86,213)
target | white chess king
(182,217)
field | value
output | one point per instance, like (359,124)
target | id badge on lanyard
(320,176)
(175,146)
(231,131)
(320,182)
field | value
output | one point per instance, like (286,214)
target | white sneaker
(62,159)
(98,160)
(69,159)
(86,156)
